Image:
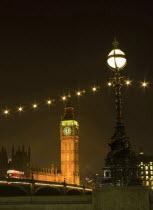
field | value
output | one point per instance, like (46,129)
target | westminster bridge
(25,187)
(25,194)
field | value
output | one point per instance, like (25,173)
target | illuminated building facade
(69,146)
(69,139)
(20,162)
(146,169)
(47,174)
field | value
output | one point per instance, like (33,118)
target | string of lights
(78,93)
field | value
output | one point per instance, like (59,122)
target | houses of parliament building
(20,162)
(20,166)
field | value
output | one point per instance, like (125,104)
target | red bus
(15,174)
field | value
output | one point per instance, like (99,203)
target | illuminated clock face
(67,131)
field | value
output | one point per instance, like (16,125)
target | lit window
(142,168)
(146,177)
(151,163)
(151,172)
(142,177)
(141,172)
(147,183)
(147,172)
(146,167)
(151,167)
(141,163)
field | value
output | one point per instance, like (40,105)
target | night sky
(47,50)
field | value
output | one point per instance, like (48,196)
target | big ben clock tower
(69,129)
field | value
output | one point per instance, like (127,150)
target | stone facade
(69,152)
(121,198)
(48,177)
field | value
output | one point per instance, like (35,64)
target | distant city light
(6,112)
(128,82)
(49,102)
(109,84)
(64,98)
(144,84)
(94,89)
(20,109)
(35,106)
(78,93)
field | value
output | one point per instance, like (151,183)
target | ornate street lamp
(116,59)
(121,168)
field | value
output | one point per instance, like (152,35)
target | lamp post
(121,167)
(116,61)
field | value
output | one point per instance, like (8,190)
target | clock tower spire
(69,145)
(69,110)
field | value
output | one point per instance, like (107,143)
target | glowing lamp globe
(116,60)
